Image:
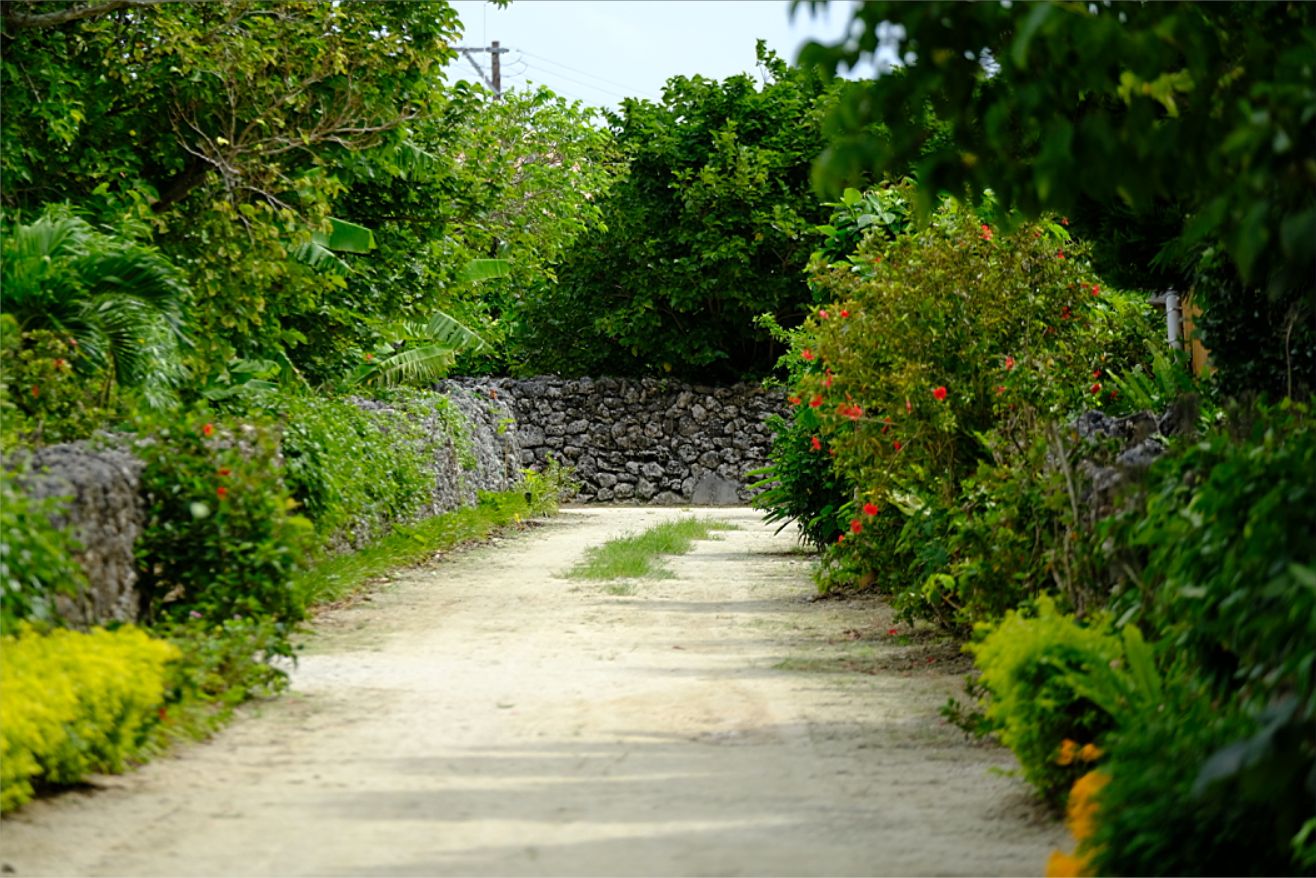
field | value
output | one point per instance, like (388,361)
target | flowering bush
(220,539)
(946,352)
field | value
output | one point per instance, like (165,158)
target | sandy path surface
(488,717)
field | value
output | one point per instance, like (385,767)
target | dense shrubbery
(938,392)
(925,386)
(75,703)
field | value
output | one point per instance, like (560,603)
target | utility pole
(495,81)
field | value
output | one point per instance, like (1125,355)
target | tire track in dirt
(485,716)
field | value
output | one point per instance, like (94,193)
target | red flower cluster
(822,315)
(816,401)
(816,443)
(870,509)
(896,445)
(986,232)
(845,313)
(853,412)
(939,393)
(1060,254)
(856,526)
(221,492)
(1009,363)
(793,400)
(207,429)
(1066,313)
(807,355)
(1096,388)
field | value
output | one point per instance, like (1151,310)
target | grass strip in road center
(635,556)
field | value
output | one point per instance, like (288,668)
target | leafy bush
(219,539)
(36,558)
(1224,555)
(75,703)
(1172,806)
(1032,667)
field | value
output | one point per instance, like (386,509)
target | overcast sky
(600,51)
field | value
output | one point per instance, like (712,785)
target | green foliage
(1168,810)
(932,379)
(1110,106)
(354,470)
(75,703)
(36,557)
(709,229)
(220,665)
(117,301)
(1221,558)
(51,392)
(637,555)
(264,113)
(1029,668)
(219,540)
(470,223)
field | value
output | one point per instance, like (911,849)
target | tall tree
(710,228)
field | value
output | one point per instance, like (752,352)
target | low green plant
(36,557)
(75,703)
(638,555)
(1031,667)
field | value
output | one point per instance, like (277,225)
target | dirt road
(488,717)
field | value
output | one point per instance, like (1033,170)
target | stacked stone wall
(642,441)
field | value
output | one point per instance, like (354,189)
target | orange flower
(1068,750)
(1063,865)
(1081,813)
(1090,753)
(207,429)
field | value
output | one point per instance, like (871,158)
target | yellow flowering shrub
(73,703)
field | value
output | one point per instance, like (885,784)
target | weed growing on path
(635,556)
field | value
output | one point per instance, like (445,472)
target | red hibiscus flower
(939,393)
(870,509)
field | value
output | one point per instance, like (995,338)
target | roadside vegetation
(948,270)
(640,556)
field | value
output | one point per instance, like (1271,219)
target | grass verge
(340,576)
(636,556)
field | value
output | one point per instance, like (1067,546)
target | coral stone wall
(642,441)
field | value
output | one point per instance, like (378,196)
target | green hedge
(74,703)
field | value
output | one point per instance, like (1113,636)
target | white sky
(600,51)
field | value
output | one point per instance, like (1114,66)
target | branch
(73,13)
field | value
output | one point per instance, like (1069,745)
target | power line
(589,85)
(633,89)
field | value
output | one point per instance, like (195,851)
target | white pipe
(1173,329)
